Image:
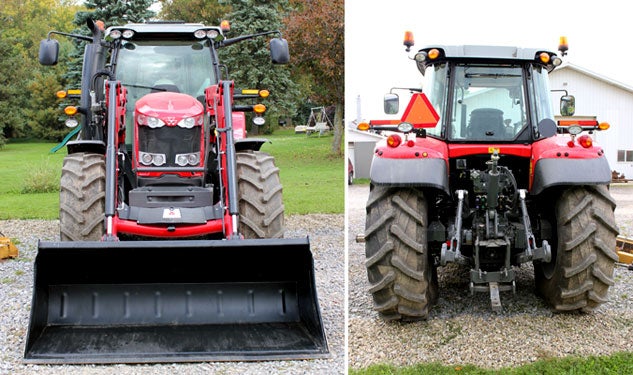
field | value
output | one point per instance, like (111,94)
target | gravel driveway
(462,328)
(327,245)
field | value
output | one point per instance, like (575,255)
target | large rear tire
(260,196)
(82,197)
(583,258)
(402,278)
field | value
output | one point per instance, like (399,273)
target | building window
(625,155)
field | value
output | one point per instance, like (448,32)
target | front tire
(82,197)
(399,268)
(581,271)
(260,196)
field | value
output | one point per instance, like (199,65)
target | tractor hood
(171,107)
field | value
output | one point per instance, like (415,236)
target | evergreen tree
(112,13)
(208,12)
(12,87)
(249,62)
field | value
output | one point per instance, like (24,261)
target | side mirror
(567,105)
(279,53)
(391,103)
(49,52)
(547,128)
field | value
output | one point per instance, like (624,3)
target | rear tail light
(585,141)
(394,140)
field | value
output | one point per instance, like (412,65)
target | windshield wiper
(144,87)
(490,75)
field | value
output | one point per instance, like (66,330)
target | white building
(609,100)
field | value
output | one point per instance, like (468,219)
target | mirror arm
(77,36)
(228,42)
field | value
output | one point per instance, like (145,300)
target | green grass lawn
(619,363)
(313,181)
(20,162)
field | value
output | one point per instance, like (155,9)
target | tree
(112,13)
(249,63)
(316,33)
(24,24)
(12,84)
(203,11)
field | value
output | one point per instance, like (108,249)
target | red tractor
(171,220)
(478,173)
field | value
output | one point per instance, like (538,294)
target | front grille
(169,140)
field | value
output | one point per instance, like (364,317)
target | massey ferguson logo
(171,121)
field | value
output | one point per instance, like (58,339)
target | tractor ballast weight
(171,223)
(478,173)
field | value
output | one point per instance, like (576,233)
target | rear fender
(430,172)
(250,144)
(95,147)
(425,164)
(556,164)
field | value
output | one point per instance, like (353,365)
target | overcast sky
(599,36)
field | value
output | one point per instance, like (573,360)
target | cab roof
(163,28)
(488,52)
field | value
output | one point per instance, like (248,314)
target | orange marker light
(259,108)
(264,93)
(544,56)
(363,126)
(61,94)
(434,54)
(604,126)
(70,110)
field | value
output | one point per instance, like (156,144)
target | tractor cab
(481,93)
(147,60)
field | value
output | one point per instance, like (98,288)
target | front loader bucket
(174,301)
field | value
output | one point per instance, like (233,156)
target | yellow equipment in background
(624,247)
(7,248)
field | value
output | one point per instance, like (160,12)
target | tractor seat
(486,123)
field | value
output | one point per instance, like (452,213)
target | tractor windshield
(146,66)
(488,103)
(152,66)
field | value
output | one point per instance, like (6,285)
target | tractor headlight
(152,122)
(188,159)
(405,127)
(71,122)
(187,122)
(148,158)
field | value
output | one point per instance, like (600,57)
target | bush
(44,179)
